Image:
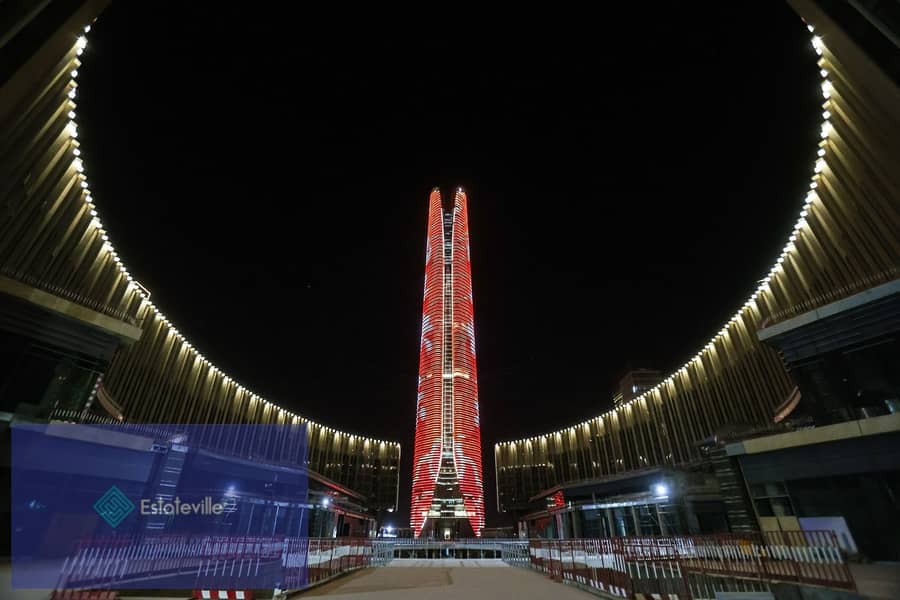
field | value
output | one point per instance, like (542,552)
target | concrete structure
(844,357)
(650,502)
(842,477)
(447,488)
(843,474)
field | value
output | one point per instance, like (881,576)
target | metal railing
(686,567)
(295,562)
(459,542)
(690,566)
(309,561)
(67,415)
(462,548)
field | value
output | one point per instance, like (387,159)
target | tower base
(447,529)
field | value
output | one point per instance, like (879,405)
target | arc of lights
(133,285)
(819,166)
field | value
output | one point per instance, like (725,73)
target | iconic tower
(447,490)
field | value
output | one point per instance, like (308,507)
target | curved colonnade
(843,242)
(53,241)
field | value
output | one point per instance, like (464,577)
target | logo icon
(113,506)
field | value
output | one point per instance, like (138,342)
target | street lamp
(661,491)
(325,502)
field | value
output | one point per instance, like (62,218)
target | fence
(432,542)
(295,562)
(461,548)
(308,561)
(515,552)
(690,567)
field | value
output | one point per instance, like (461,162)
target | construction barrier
(692,566)
(224,594)
(84,595)
(810,557)
(126,561)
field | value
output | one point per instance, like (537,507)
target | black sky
(265,174)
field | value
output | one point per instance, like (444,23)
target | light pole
(661,491)
(325,502)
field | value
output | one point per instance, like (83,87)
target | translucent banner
(159,506)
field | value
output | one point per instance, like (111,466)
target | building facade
(842,474)
(80,339)
(634,383)
(447,487)
(842,244)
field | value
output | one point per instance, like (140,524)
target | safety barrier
(223,594)
(84,595)
(597,563)
(691,566)
(515,552)
(679,567)
(432,542)
(811,557)
(461,548)
(311,560)
(296,562)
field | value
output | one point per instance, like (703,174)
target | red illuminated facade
(447,488)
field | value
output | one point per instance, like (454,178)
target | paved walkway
(446,578)
(6,590)
(879,581)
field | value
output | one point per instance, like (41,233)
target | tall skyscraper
(447,489)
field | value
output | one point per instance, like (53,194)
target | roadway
(446,578)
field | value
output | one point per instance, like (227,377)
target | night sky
(265,174)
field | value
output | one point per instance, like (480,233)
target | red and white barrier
(107,561)
(663,567)
(224,594)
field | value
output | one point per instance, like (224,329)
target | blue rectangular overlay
(159,506)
